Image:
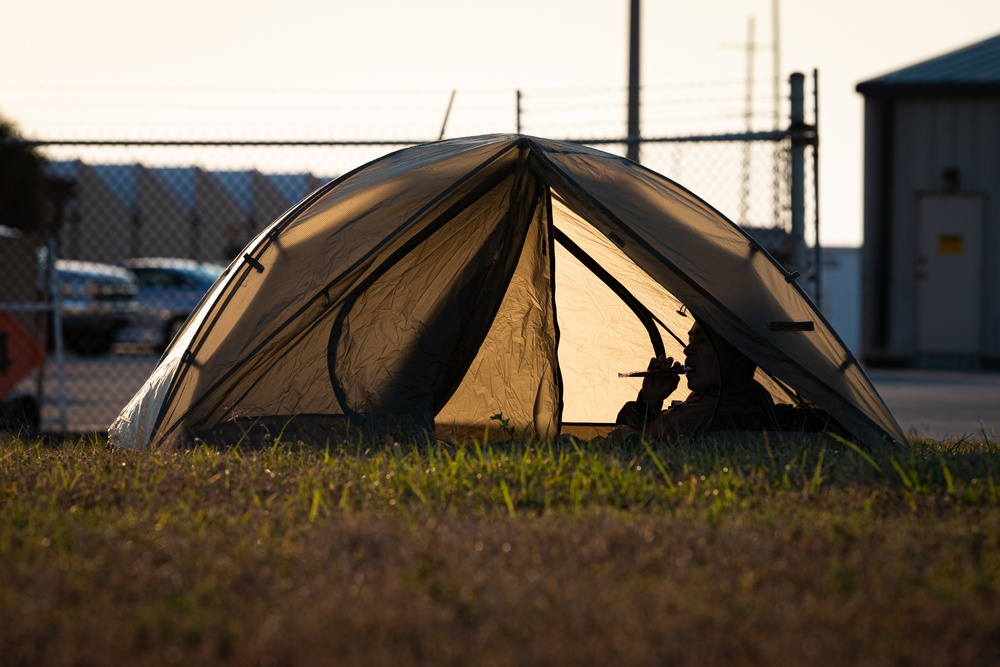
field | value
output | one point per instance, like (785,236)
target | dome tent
(501,277)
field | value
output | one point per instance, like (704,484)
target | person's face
(700,355)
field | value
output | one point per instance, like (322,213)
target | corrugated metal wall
(915,147)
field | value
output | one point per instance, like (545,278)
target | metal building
(930,294)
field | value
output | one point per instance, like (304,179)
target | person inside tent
(724,395)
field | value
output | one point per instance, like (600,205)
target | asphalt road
(941,405)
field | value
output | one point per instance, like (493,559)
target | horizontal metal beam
(804,133)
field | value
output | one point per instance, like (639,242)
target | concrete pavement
(943,405)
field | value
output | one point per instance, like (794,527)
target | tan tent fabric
(487,280)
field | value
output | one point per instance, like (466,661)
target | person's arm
(655,389)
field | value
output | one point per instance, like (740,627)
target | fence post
(797,196)
(59,346)
(194,249)
(817,247)
(135,232)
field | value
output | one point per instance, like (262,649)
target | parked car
(169,290)
(96,302)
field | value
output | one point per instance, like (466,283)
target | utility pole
(748,117)
(776,59)
(778,157)
(633,84)
(750,48)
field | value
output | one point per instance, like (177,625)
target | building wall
(120,211)
(840,293)
(97,216)
(218,216)
(163,223)
(916,147)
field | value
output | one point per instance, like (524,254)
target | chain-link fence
(147,226)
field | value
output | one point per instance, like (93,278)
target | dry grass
(511,553)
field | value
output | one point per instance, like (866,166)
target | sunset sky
(387,68)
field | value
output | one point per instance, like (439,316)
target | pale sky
(386,68)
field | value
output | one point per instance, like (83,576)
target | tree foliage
(23,197)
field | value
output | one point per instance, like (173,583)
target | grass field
(507,553)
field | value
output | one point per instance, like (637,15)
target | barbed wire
(357,112)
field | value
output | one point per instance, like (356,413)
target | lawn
(505,553)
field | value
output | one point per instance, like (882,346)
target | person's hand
(656,388)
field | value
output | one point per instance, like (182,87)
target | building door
(949,274)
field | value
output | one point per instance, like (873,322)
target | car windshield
(201,277)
